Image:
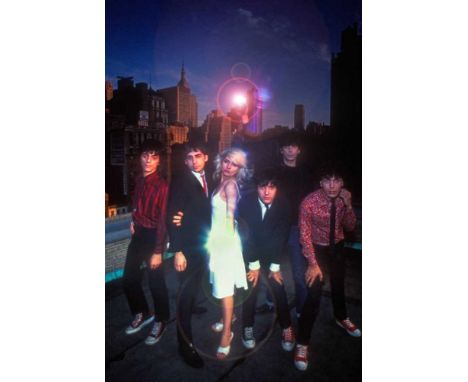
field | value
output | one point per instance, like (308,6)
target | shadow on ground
(334,355)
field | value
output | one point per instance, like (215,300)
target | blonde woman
(226,264)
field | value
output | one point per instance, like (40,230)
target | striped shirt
(150,205)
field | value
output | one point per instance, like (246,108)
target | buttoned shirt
(149,206)
(314,222)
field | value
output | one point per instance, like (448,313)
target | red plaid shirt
(314,222)
(149,206)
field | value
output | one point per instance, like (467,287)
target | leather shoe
(190,356)
(199,310)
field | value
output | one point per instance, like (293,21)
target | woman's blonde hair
(244,173)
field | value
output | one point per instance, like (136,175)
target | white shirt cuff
(255,265)
(274,267)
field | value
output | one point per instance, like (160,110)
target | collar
(150,177)
(329,200)
(198,173)
(263,204)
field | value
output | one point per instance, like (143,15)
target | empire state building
(181,103)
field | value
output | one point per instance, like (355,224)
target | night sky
(284,47)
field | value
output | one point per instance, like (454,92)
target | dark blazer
(265,239)
(186,194)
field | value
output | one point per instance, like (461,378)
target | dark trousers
(140,250)
(190,285)
(334,262)
(279,294)
(298,267)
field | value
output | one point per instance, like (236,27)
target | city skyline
(284,48)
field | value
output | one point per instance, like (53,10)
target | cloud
(248,17)
(281,27)
(276,34)
(320,51)
(324,53)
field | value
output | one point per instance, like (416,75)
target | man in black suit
(189,197)
(264,217)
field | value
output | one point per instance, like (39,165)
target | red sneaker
(347,325)
(156,333)
(287,339)
(301,357)
(138,323)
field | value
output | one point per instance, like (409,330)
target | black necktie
(267,206)
(332,224)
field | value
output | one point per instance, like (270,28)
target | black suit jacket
(265,239)
(186,194)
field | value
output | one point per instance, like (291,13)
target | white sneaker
(219,326)
(248,338)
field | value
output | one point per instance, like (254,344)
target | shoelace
(288,334)
(348,323)
(137,320)
(301,351)
(248,332)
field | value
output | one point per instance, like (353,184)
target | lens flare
(234,94)
(239,99)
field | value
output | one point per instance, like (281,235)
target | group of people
(237,240)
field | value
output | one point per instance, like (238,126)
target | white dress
(226,262)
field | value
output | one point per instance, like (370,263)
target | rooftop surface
(334,355)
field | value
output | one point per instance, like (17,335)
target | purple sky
(284,47)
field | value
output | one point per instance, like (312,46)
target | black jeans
(190,285)
(279,294)
(140,250)
(335,264)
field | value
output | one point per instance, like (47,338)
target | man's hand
(155,261)
(346,196)
(180,262)
(277,276)
(253,276)
(132,228)
(177,218)
(312,272)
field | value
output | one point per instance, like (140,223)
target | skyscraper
(346,85)
(109,91)
(254,111)
(299,117)
(182,104)
(218,128)
(346,102)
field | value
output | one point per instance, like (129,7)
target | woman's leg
(228,310)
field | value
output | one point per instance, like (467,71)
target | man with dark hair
(265,218)
(190,200)
(324,215)
(296,183)
(148,229)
